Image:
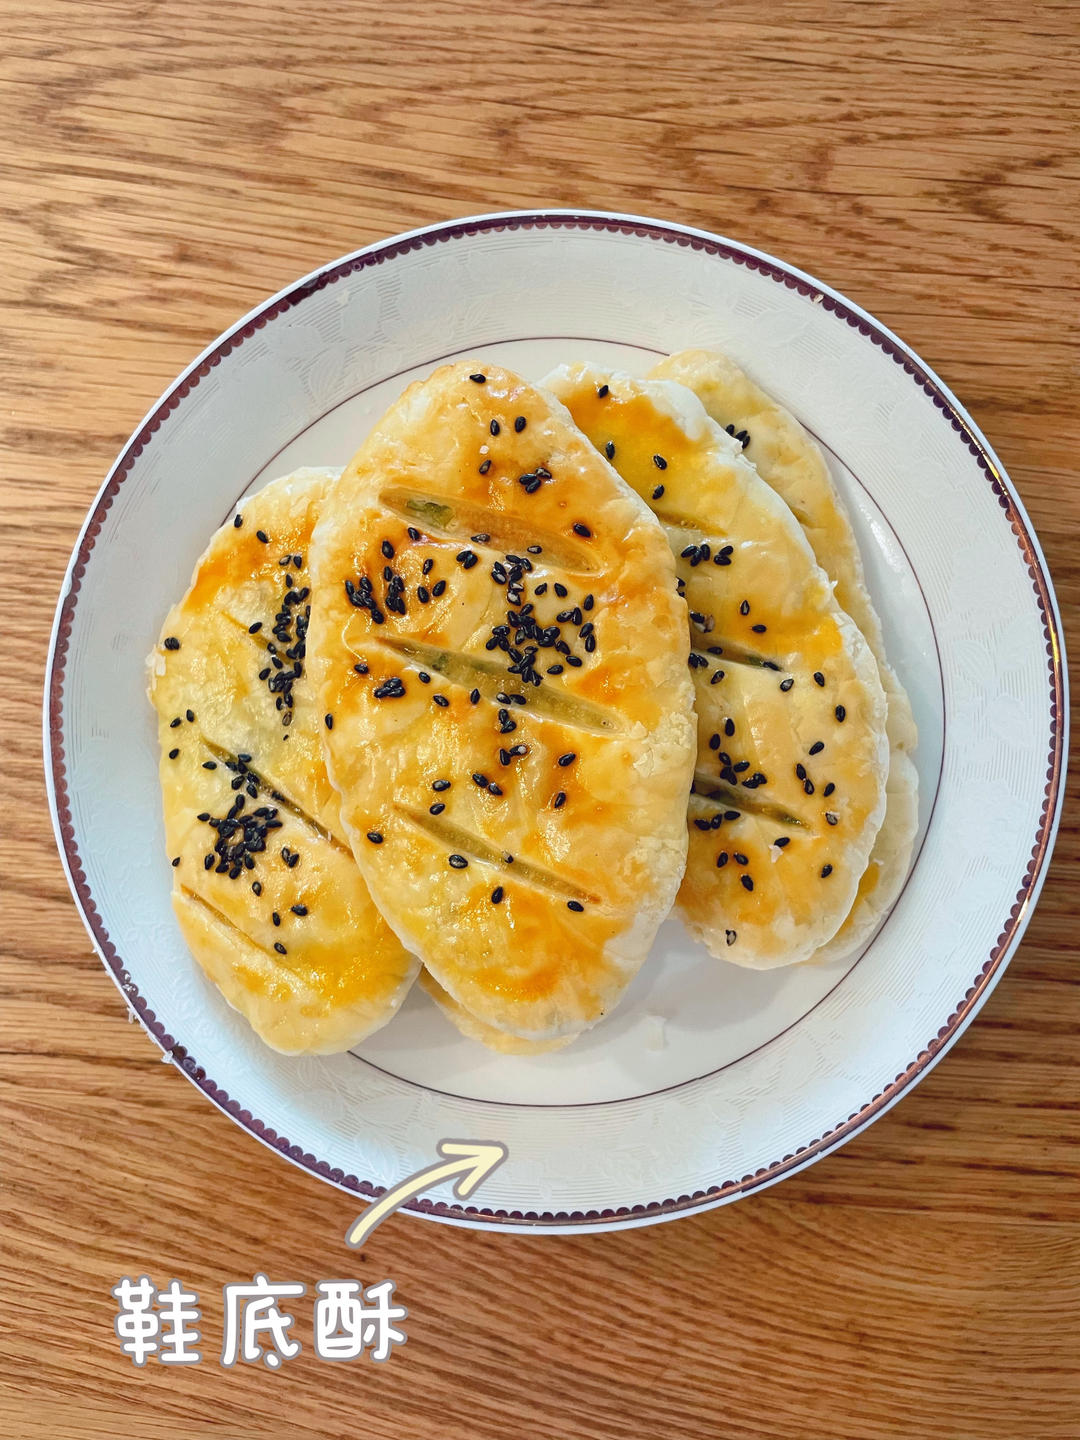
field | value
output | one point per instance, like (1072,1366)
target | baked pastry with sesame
(789,790)
(789,461)
(501,652)
(265,887)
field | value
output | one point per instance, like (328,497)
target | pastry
(501,659)
(788,460)
(265,887)
(474,1029)
(789,790)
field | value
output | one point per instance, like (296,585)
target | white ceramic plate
(709,1081)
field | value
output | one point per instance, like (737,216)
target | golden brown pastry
(788,460)
(792,754)
(501,654)
(474,1029)
(265,887)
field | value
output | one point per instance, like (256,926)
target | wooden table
(164,167)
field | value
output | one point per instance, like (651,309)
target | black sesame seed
(656,494)
(574,662)
(209,765)
(280,948)
(391,689)
(519,424)
(819,678)
(800,770)
(174,723)
(568,758)
(494,427)
(659,462)
(559,801)
(439,588)
(497,895)
(840,713)
(478,379)
(740,858)
(173,754)
(718,675)
(276,918)
(441,700)
(609,450)
(758,629)
(176,862)
(561,590)
(440,785)
(746,882)
(826,871)
(744,608)
(554,670)
(603,392)
(428,566)
(829,788)
(808,787)
(731,814)
(583,530)
(458,862)
(817,747)
(479,779)
(474,697)
(329,719)
(787,684)
(781,841)
(729,728)
(256,885)
(494,789)
(575,905)
(721,859)
(413,533)
(730,936)
(437,808)
(171,642)
(375,837)
(262,535)
(361,667)
(423,594)
(238,520)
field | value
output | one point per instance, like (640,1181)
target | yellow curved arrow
(471,1161)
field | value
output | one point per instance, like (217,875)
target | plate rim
(718,247)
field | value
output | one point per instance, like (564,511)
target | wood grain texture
(164,166)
